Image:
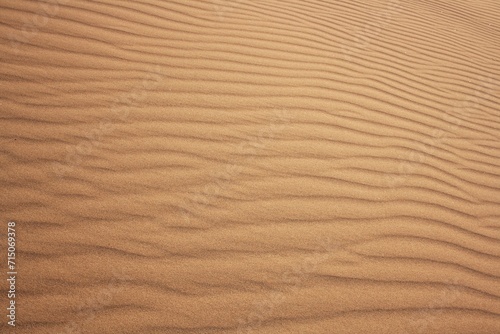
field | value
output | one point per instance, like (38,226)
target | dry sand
(277,166)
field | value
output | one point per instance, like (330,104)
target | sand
(276,166)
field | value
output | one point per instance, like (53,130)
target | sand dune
(275,166)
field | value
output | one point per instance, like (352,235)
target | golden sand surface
(251,166)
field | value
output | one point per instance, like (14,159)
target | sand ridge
(275,166)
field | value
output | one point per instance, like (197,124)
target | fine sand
(251,166)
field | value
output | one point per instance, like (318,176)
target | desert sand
(276,166)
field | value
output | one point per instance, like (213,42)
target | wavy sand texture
(252,166)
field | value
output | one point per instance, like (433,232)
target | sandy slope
(277,166)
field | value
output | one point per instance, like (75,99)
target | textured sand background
(272,166)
